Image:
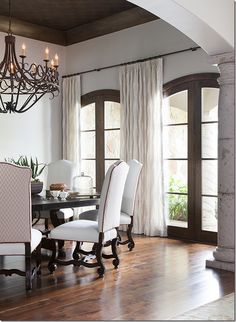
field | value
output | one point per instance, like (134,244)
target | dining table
(41,203)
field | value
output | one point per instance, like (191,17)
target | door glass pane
(112,115)
(209,213)
(177,206)
(112,144)
(209,177)
(210,104)
(175,108)
(210,140)
(88,167)
(175,141)
(176,176)
(87,117)
(88,145)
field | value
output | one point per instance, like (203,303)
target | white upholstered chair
(60,171)
(96,232)
(128,201)
(17,237)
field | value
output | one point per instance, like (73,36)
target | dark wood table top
(40,203)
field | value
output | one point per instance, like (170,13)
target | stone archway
(213,33)
(218,43)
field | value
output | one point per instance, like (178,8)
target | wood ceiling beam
(116,22)
(33,31)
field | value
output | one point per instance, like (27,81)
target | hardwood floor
(161,278)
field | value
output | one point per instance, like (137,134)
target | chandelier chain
(9,10)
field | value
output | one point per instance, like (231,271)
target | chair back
(61,171)
(131,185)
(15,203)
(111,196)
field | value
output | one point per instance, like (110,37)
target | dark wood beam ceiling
(66,22)
(33,31)
(115,22)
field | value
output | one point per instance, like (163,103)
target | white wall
(37,132)
(150,39)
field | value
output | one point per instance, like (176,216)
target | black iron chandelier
(23,84)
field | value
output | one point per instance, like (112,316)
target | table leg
(57,222)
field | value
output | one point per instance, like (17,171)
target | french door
(100,133)
(190,117)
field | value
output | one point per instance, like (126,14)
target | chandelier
(23,84)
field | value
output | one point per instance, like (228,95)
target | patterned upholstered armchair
(17,238)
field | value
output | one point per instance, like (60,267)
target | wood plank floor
(161,278)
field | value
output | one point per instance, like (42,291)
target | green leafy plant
(177,204)
(36,167)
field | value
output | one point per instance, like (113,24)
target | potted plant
(36,168)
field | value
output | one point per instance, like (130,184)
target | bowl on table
(55,193)
(63,195)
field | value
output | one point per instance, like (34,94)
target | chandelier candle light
(20,79)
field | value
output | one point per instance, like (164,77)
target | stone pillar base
(221,265)
(223,259)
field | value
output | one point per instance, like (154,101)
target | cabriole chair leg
(131,243)
(101,269)
(51,264)
(38,259)
(115,261)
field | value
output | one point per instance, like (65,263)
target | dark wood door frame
(193,83)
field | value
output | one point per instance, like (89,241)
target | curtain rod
(131,62)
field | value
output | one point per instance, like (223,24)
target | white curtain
(71,104)
(141,139)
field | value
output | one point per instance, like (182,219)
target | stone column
(224,253)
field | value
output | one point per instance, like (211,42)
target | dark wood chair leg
(118,235)
(76,251)
(46,224)
(115,261)
(38,259)
(99,247)
(131,243)
(56,222)
(51,263)
(28,275)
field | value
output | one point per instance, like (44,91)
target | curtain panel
(141,139)
(71,104)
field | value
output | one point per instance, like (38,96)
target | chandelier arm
(2,83)
(23,109)
(2,109)
(17,96)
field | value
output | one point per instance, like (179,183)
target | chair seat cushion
(124,219)
(81,230)
(19,248)
(61,214)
